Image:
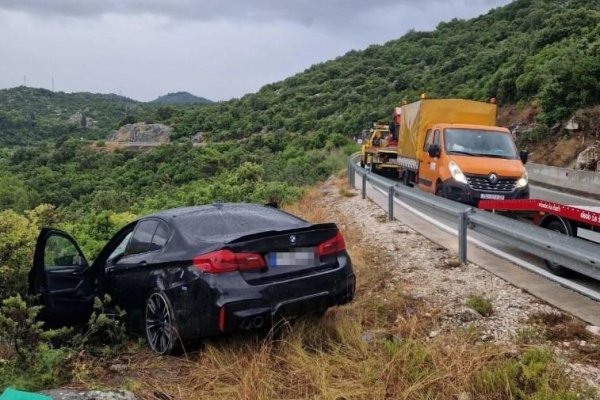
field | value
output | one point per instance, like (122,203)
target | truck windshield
(479,143)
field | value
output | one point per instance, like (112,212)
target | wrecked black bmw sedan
(194,272)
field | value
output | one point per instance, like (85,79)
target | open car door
(62,278)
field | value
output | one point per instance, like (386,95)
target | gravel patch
(433,274)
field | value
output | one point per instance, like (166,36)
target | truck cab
(468,163)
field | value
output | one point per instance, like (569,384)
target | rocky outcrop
(588,159)
(198,138)
(82,121)
(141,133)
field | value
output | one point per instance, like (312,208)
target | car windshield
(472,142)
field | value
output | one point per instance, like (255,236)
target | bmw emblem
(293,239)
(493,179)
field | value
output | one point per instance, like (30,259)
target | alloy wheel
(159,324)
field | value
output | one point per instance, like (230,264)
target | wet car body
(198,272)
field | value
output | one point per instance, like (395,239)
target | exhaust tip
(246,324)
(258,321)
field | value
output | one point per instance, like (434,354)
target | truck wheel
(439,189)
(555,268)
(407,178)
(362,163)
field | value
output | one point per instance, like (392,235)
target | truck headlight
(524,180)
(456,173)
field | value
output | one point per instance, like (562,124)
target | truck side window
(436,137)
(427,140)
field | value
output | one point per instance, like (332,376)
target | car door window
(60,252)
(120,249)
(142,237)
(161,236)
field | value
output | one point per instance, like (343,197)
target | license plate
(299,257)
(488,196)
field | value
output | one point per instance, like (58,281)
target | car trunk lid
(291,253)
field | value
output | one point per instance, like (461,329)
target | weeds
(345,192)
(480,304)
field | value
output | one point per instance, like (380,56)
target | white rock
(464,396)
(595,330)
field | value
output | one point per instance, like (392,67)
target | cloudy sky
(213,48)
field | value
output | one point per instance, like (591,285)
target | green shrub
(33,362)
(105,334)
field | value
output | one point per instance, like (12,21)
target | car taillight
(227,261)
(332,246)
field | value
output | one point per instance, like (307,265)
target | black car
(194,272)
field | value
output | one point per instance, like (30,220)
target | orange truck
(454,149)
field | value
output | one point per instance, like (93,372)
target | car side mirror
(524,156)
(434,150)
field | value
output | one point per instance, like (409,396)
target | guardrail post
(391,192)
(463,222)
(353,175)
(350,172)
(364,185)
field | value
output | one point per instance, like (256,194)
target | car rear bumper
(238,305)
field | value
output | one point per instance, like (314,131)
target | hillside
(180,98)
(29,115)
(530,51)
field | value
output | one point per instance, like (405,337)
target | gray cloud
(300,11)
(214,48)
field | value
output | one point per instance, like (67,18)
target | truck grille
(479,182)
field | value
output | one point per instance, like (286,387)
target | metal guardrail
(574,253)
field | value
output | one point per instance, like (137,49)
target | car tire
(160,324)
(555,268)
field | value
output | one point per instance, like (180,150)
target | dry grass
(377,347)
(560,327)
(558,152)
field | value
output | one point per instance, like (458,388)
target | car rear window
(224,224)
(161,236)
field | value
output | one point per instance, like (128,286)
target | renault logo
(493,179)
(293,239)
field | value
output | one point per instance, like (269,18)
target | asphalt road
(536,192)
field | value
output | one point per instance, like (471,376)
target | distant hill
(28,115)
(181,98)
